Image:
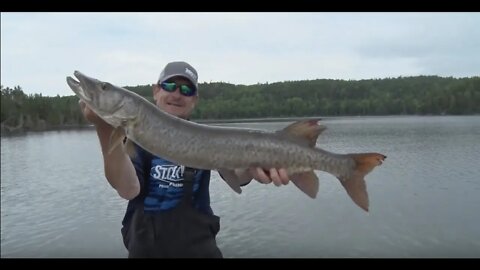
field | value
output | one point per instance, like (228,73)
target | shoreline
(7,133)
(253,120)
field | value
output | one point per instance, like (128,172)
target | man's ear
(195,100)
(155,90)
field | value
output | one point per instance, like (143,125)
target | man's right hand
(118,167)
(91,116)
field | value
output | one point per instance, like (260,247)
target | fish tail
(355,184)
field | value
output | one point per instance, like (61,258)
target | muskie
(224,148)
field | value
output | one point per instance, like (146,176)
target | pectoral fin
(130,148)
(116,138)
(306,182)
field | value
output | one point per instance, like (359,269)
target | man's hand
(244,176)
(277,176)
(91,116)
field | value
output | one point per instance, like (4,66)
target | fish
(229,150)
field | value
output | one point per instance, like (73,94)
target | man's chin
(174,110)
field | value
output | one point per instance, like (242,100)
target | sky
(39,50)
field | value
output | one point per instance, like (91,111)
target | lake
(424,199)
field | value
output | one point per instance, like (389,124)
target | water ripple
(423,199)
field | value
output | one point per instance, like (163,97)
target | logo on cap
(189,72)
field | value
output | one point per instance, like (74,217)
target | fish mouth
(78,86)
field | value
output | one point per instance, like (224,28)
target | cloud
(38,50)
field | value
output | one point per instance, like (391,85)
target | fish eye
(104,86)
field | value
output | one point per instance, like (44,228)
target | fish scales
(225,148)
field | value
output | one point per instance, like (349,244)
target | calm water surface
(424,200)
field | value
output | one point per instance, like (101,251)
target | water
(55,201)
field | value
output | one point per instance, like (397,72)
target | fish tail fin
(306,182)
(355,184)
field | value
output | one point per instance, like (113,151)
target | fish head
(108,101)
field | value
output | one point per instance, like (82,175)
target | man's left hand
(277,176)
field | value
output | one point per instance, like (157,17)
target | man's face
(174,102)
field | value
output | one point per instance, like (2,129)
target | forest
(419,95)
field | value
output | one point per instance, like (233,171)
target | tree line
(420,95)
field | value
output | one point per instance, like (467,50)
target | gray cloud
(38,50)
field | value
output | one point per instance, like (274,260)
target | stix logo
(168,175)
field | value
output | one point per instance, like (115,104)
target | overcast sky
(38,50)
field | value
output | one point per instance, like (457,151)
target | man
(168,213)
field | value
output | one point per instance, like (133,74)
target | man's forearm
(118,167)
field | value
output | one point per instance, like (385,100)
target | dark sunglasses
(185,89)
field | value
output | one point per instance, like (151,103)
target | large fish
(225,149)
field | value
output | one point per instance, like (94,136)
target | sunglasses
(185,89)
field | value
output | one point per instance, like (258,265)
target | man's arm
(118,167)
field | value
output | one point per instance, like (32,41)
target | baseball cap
(179,68)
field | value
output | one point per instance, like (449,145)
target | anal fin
(306,182)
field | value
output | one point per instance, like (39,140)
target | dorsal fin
(306,130)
